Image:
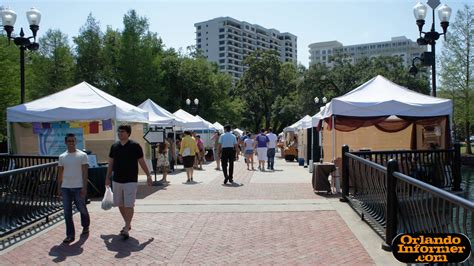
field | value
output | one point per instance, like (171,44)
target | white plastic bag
(108,200)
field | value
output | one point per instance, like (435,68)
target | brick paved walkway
(241,237)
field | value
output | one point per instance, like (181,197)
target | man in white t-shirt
(271,149)
(72,186)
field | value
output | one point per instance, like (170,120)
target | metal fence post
(391,208)
(345,174)
(457,168)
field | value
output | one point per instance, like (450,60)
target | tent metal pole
(333,139)
(312,143)
(9,136)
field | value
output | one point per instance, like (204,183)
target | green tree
(260,85)
(89,61)
(138,52)
(110,55)
(53,66)
(9,81)
(457,76)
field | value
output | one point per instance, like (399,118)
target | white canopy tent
(190,121)
(380,97)
(80,102)
(160,116)
(239,131)
(219,127)
(304,122)
(210,126)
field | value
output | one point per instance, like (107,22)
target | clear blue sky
(349,21)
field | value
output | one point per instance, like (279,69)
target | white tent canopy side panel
(160,116)
(80,102)
(381,97)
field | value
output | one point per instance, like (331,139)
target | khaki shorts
(125,194)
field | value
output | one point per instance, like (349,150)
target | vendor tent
(376,102)
(190,121)
(304,122)
(381,97)
(159,116)
(209,125)
(80,102)
(218,126)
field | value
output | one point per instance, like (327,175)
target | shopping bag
(108,200)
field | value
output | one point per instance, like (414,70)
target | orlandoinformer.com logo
(431,248)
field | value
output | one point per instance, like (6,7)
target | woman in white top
(248,151)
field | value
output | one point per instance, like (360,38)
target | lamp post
(194,108)
(317,101)
(430,37)
(9,18)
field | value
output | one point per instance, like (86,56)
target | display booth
(381,115)
(39,127)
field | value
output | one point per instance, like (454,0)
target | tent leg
(9,136)
(333,139)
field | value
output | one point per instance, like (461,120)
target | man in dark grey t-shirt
(123,158)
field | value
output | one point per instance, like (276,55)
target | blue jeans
(271,158)
(69,195)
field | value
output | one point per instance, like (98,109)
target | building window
(199,40)
(221,54)
(222,61)
(199,34)
(221,42)
(198,27)
(221,48)
(221,30)
(221,36)
(222,67)
(198,46)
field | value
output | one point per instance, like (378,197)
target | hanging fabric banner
(51,140)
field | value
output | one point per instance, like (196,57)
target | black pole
(433,66)
(391,208)
(345,174)
(457,176)
(22,73)
(154,161)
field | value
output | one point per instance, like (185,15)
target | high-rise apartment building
(322,52)
(227,42)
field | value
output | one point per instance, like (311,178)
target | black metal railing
(441,168)
(16,161)
(27,195)
(392,202)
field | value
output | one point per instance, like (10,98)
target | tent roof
(80,102)
(160,116)
(190,121)
(219,126)
(304,122)
(381,97)
(209,124)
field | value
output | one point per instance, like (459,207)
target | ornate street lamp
(429,58)
(9,19)
(194,107)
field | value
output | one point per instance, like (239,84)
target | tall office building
(403,47)
(227,42)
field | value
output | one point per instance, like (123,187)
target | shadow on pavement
(62,251)
(233,185)
(144,190)
(123,247)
